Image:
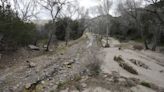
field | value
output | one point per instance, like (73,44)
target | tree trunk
(155,43)
(156,37)
(146,44)
(107,35)
(141,29)
(154,47)
(49,41)
(67,34)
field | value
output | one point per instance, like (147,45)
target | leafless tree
(83,16)
(70,12)
(54,7)
(132,9)
(27,9)
(104,9)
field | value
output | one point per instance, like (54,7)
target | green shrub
(60,28)
(16,32)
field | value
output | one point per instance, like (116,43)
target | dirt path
(154,73)
(150,77)
(60,66)
(66,70)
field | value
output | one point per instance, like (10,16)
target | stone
(51,50)
(28,85)
(69,63)
(116,76)
(118,59)
(84,78)
(51,84)
(45,46)
(105,76)
(61,53)
(131,83)
(161,71)
(43,82)
(119,48)
(31,64)
(84,85)
(32,47)
(107,45)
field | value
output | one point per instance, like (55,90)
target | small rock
(131,83)
(119,48)
(161,71)
(116,76)
(69,63)
(44,46)
(84,85)
(51,84)
(32,47)
(69,66)
(28,85)
(84,78)
(31,64)
(51,50)
(43,82)
(105,76)
(107,45)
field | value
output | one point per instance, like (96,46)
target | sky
(87,4)
(91,3)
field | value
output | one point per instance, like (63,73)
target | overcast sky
(87,4)
(91,3)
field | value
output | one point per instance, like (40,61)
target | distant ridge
(40,22)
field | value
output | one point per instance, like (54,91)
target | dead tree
(104,9)
(131,9)
(27,9)
(70,12)
(54,7)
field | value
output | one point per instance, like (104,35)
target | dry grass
(138,47)
(93,65)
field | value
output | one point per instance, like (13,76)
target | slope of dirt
(153,60)
(66,70)
(16,78)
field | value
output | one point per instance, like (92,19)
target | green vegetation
(94,66)
(15,31)
(66,27)
(146,84)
